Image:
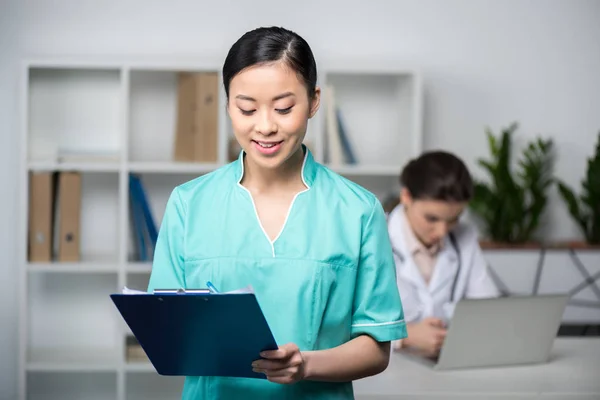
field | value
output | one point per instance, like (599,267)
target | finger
(282,352)
(268,365)
(288,376)
(433,346)
(283,380)
(436,341)
(274,364)
(289,371)
(440,333)
(436,322)
(278,354)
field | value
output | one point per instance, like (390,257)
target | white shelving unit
(72,339)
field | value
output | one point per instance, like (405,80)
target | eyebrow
(433,216)
(278,97)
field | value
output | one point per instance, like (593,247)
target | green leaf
(585,208)
(512,203)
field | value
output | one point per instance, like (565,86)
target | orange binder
(196,135)
(69,204)
(41,216)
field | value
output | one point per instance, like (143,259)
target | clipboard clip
(181,291)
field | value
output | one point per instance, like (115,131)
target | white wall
(484,63)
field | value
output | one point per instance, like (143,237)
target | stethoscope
(456,250)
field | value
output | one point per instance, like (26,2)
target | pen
(211,287)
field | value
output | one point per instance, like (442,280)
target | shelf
(97,217)
(82,167)
(158,188)
(140,366)
(89,263)
(138,280)
(68,312)
(100,214)
(85,267)
(139,267)
(65,359)
(153,114)
(172,167)
(73,110)
(380,114)
(73,385)
(148,385)
(199,168)
(367,170)
(109,119)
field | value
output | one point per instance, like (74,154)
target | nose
(265,124)
(441,230)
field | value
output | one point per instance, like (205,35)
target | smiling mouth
(267,145)
(268,149)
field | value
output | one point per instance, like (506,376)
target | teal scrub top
(327,278)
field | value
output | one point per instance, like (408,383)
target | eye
(431,218)
(284,110)
(247,112)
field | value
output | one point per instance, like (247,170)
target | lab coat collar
(401,230)
(407,268)
(309,168)
(396,232)
(446,265)
(445,269)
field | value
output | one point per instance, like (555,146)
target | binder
(198,333)
(144,232)
(69,204)
(41,216)
(197,119)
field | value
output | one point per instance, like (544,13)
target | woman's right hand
(427,336)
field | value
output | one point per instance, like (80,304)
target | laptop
(502,331)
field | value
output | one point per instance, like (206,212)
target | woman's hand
(427,336)
(284,365)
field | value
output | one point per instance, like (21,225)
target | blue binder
(198,334)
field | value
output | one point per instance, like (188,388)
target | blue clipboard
(198,334)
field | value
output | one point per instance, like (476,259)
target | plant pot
(493,245)
(576,245)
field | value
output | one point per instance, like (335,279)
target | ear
(315,102)
(405,197)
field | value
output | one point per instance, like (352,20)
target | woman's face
(431,220)
(269,110)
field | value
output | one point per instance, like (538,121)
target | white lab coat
(419,300)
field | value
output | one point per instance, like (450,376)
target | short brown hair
(438,175)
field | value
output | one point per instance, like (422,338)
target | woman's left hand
(284,365)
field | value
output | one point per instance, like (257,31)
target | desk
(573,372)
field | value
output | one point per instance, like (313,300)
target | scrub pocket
(305,302)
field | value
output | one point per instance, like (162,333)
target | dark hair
(266,45)
(438,175)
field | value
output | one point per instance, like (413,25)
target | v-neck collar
(308,173)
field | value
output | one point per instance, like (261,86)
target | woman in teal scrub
(313,245)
